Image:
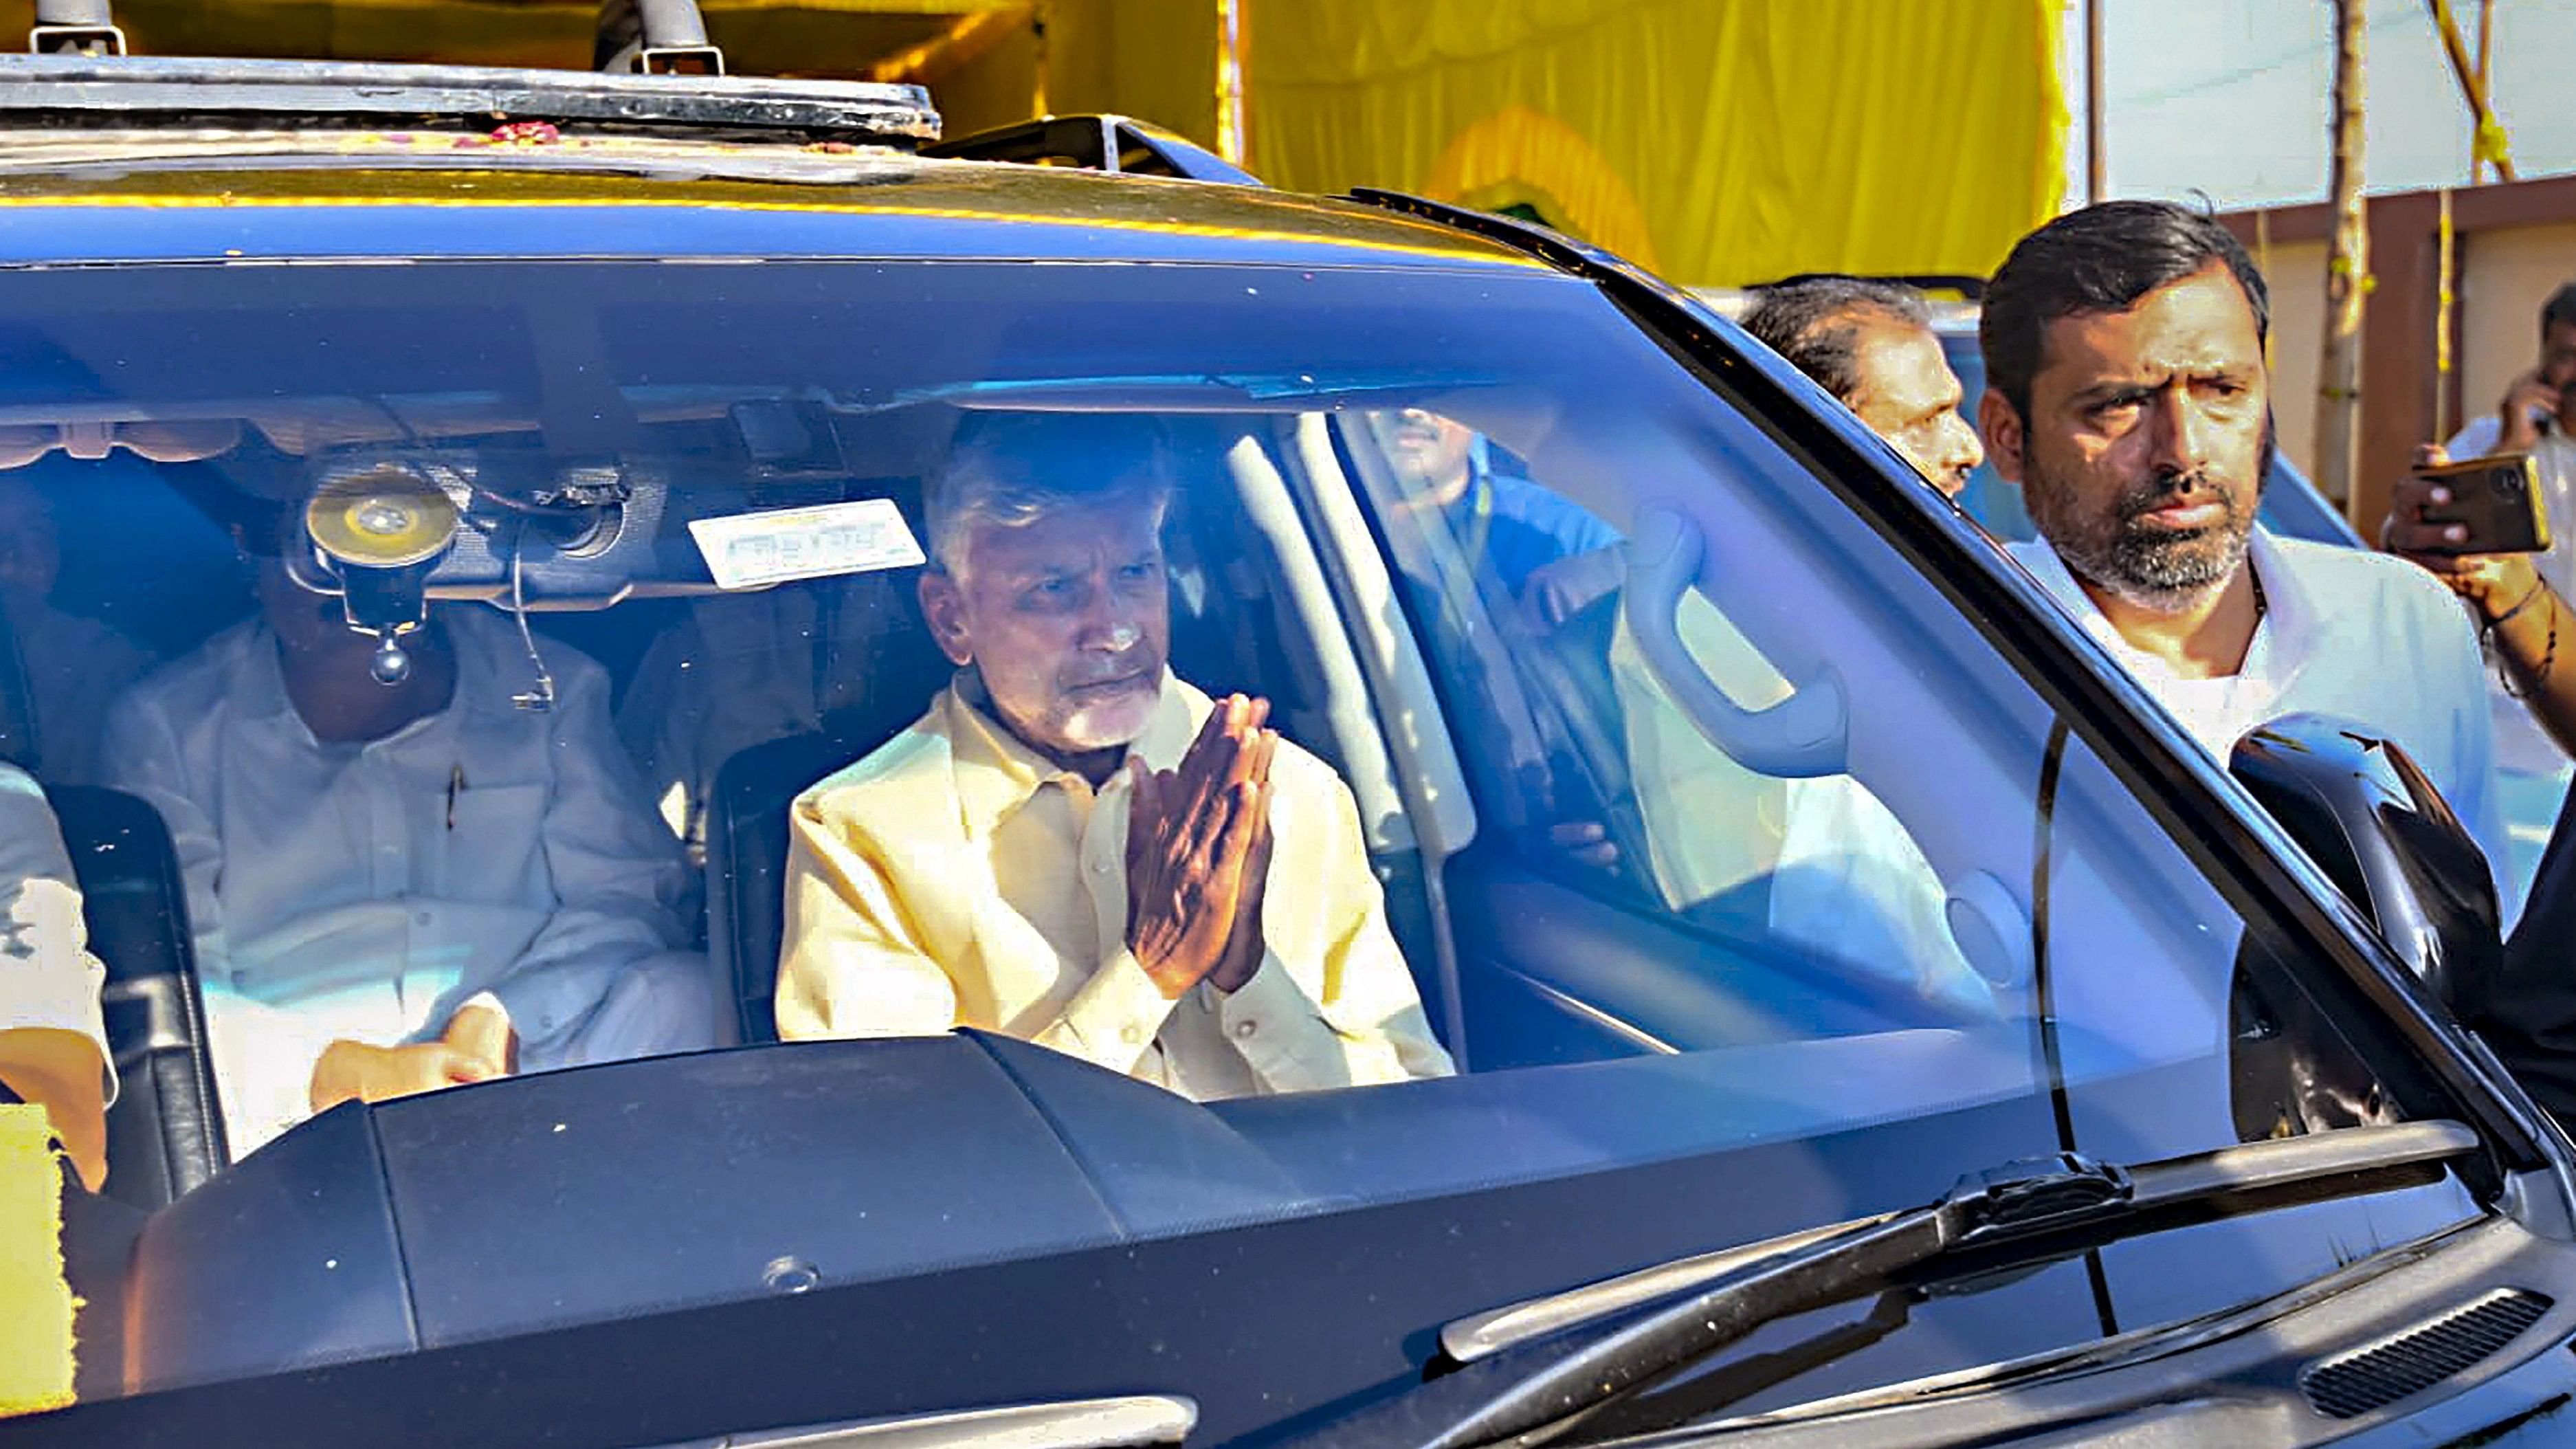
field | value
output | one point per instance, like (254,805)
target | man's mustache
(1125,669)
(2173,488)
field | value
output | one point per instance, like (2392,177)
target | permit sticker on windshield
(750,550)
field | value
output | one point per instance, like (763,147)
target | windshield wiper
(2013,1216)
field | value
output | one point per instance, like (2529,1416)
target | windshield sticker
(753,550)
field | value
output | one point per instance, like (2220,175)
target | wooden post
(2446,298)
(2486,39)
(2487,141)
(2347,266)
(2096,170)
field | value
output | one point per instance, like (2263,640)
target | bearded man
(2127,396)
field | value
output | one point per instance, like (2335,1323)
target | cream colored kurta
(956,878)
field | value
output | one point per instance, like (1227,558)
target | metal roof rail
(654,37)
(75,27)
(1097,143)
(131,92)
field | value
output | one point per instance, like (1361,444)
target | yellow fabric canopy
(1719,142)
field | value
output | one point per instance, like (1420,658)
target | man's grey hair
(1815,322)
(1011,469)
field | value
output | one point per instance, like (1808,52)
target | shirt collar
(997,772)
(2283,638)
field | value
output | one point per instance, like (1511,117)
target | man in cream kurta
(1074,847)
(957,878)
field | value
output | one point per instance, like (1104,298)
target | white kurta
(365,891)
(1846,882)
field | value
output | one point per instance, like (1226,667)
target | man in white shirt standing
(2127,396)
(394,888)
(1871,344)
(1820,865)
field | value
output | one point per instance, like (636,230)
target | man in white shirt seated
(1818,865)
(2127,395)
(394,888)
(1073,846)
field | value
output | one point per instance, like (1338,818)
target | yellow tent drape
(1720,142)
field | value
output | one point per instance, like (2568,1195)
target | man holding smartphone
(2520,602)
(2538,416)
(2522,614)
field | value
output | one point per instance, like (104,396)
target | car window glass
(1795,857)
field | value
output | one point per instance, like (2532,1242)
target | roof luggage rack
(658,73)
(137,92)
(1097,143)
(75,27)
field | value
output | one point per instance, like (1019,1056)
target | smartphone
(2497,498)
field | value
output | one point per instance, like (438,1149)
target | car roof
(412,194)
(198,160)
(122,158)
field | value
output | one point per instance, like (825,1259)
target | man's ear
(2000,427)
(943,607)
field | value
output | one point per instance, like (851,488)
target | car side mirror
(2370,817)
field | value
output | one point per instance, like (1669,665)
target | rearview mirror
(2371,818)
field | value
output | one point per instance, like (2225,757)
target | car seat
(747,819)
(164,1134)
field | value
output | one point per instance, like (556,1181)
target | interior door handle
(1801,737)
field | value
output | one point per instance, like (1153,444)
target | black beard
(2161,569)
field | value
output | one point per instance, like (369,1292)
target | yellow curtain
(1719,142)
(36,1304)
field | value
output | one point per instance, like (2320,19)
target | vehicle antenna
(654,37)
(78,27)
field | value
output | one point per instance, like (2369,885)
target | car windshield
(472,629)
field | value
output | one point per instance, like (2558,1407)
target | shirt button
(1131,1033)
(1100,867)
(422,918)
(1243,1030)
